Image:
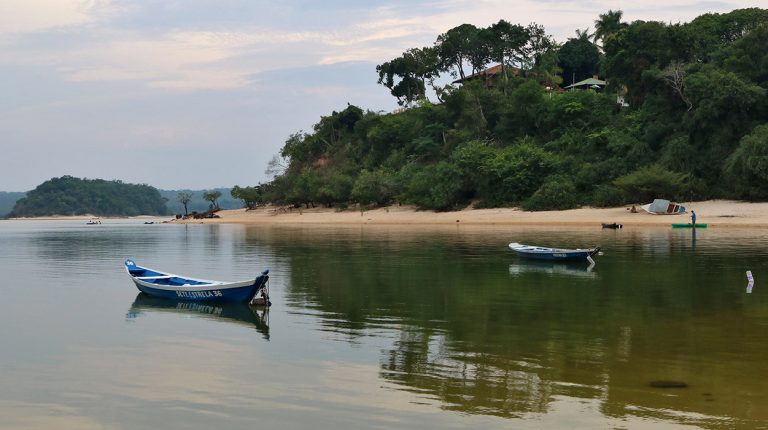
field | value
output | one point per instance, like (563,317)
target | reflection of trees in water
(464,381)
(483,341)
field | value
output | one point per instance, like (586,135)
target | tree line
(68,195)
(694,124)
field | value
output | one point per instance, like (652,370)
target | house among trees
(592,83)
(489,76)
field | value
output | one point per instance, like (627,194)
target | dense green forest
(691,123)
(74,196)
(7,200)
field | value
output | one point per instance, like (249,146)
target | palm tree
(607,25)
(584,34)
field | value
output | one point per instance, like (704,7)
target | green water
(383,327)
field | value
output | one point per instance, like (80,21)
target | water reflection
(394,325)
(227,312)
(483,342)
(552,268)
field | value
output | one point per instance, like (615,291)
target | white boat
(663,207)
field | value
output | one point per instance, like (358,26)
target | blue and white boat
(556,254)
(170,286)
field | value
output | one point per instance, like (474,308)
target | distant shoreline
(83,217)
(715,213)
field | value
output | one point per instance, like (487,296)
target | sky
(197,94)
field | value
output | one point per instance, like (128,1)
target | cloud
(24,16)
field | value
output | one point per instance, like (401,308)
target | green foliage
(434,186)
(184,198)
(648,183)
(748,56)
(8,200)
(250,196)
(377,187)
(74,196)
(557,193)
(747,167)
(412,69)
(579,59)
(608,25)
(212,197)
(196,203)
(694,90)
(605,196)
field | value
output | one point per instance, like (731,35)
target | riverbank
(715,213)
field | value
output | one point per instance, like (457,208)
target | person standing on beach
(693,218)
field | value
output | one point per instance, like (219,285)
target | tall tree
(212,196)
(507,40)
(412,69)
(184,198)
(608,25)
(583,34)
(250,196)
(537,45)
(579,58)
(455,48)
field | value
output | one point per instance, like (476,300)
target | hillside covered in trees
(74,196)
(681,113)
(7,200)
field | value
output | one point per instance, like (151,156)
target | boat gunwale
(205,285)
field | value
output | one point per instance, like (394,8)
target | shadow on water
(237,313)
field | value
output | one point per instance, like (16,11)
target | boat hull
(689,225)
(663,207)
(214,294)
(169,286)
(552,254)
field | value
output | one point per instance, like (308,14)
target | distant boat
(556,254)
(689,225)
(170,286)
(663,207)
(612,225)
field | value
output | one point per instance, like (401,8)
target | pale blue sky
(201,94)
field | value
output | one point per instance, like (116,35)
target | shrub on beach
(433,187)
(606,196)
(557,193)
(650,182)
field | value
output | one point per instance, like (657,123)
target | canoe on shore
(688,225)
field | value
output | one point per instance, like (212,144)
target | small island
(72,196)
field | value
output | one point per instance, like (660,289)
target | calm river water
(382,327)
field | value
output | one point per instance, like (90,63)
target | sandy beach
(715,213)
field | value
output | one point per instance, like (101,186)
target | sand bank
(715,213)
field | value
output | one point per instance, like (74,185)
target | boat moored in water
(170,286)
(557,254)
